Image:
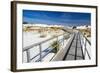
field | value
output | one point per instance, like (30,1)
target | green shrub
(66,36)
(55,45)
(42,36)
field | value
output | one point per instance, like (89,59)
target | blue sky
(57,18)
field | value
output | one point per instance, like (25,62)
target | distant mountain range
(43,25)
(46,25)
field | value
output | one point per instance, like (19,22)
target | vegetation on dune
(86,32)
(55,45)
(43,35)
(66,36)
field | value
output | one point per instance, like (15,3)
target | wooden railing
(86,46)
(28,48)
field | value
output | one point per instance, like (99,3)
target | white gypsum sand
(31,37)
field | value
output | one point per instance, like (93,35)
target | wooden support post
(40,52)
(28,55)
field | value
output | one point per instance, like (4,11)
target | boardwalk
(75,51)
(77,48)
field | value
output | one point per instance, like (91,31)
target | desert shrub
(89,35)
(55,45)
(66,36)
(42,36)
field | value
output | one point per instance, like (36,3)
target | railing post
(86,49)
(28,56)
(81,39)
(40,52)
(83,45)
(84,42)
(63,39)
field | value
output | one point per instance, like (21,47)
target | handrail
(43,51)
(81,47)
(40,48)
(85,45)
(28,47)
